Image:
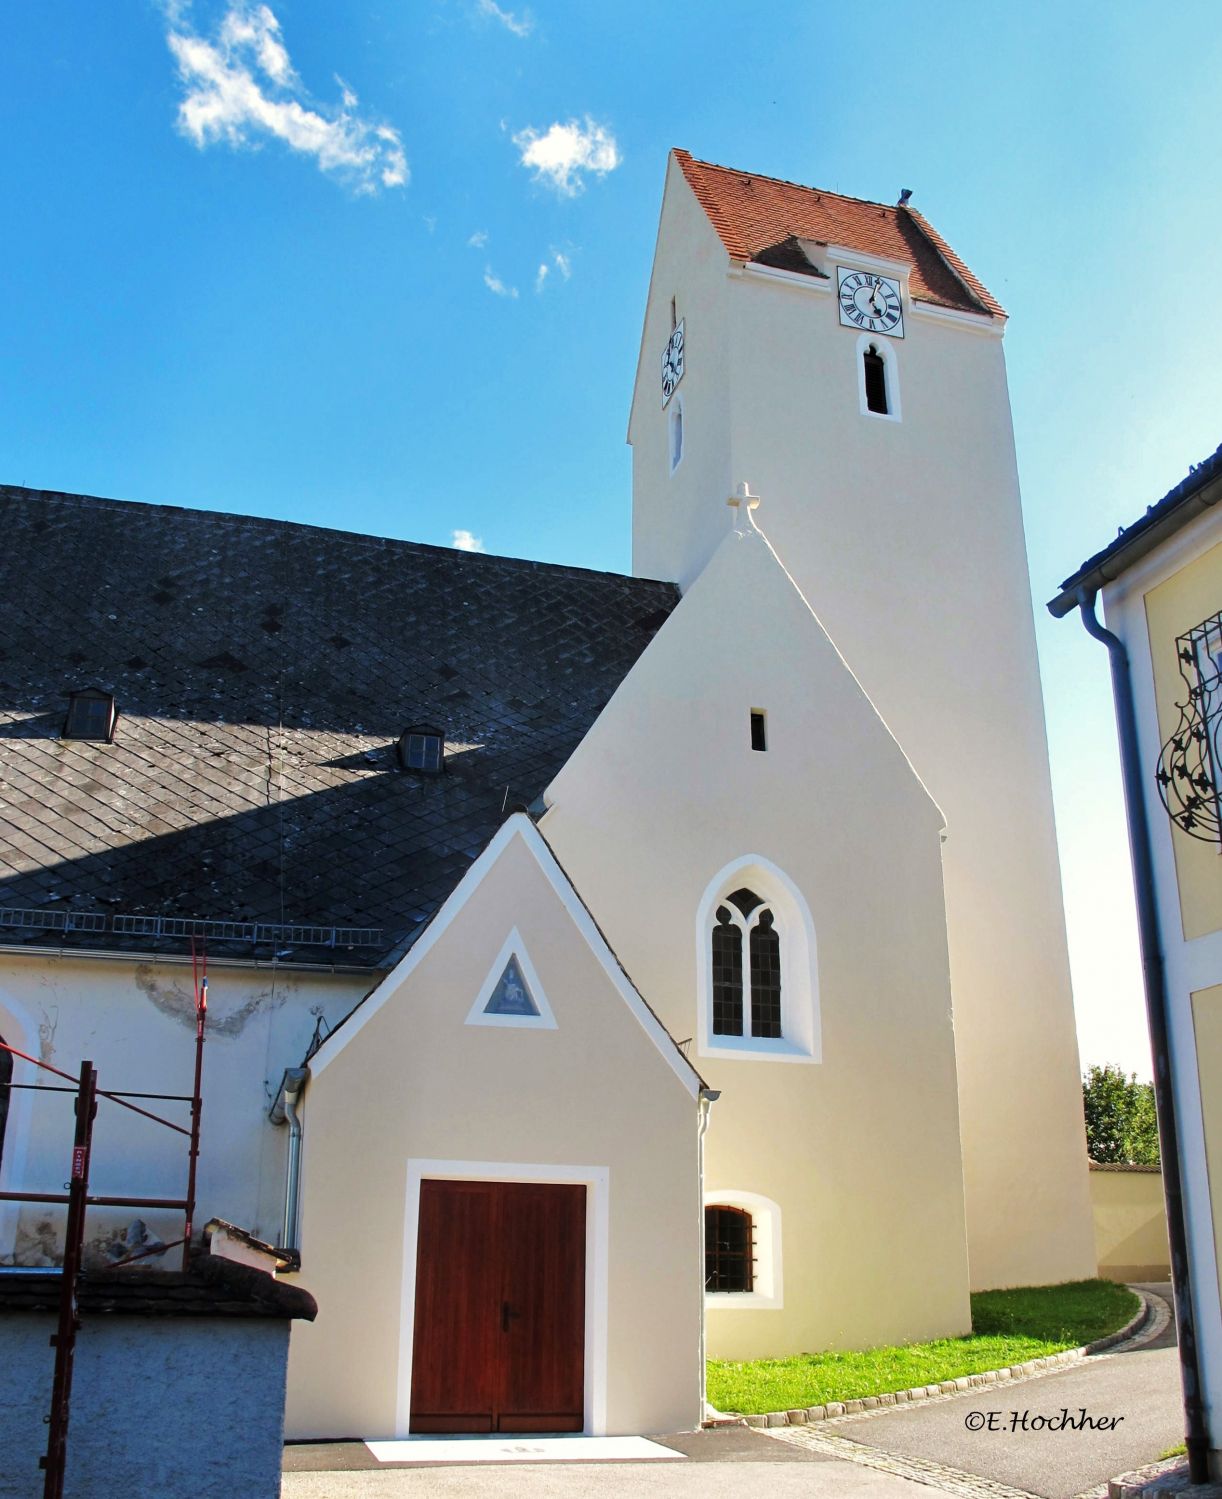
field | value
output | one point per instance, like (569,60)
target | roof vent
(91,715)
(422,748)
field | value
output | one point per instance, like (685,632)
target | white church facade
(604,972)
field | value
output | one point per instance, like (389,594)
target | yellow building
(1161,583)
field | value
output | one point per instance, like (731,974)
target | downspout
(1155,984)
(708,1097)
(284,1111)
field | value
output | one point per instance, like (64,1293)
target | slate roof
(1195,492)
(754,215)
(263,671)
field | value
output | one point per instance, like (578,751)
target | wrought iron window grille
(1189,762)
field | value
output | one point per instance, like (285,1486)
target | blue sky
(286,261)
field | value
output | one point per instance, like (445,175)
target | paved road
(891,1454)
(732,1463)
(980,1432)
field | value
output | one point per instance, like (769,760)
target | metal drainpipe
(1155,984)
(285,1111)
(708,1097)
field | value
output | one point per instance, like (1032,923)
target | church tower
(842,358)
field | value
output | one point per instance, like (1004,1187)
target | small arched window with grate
(729,1249)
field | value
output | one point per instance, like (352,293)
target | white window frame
(675,422)
(800,1039)
(767,1291)
(886,352)
(513,947)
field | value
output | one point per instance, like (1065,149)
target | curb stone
(1168,1477)
(835,1409)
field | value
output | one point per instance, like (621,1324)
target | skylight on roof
(91,715)
(422,749)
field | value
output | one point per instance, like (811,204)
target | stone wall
(1130,1222)
(178,1385)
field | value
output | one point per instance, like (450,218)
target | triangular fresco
(512,995)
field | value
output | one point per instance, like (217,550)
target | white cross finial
(743,502)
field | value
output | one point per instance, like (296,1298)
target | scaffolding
(78,1200)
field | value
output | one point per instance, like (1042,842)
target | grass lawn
(1008,1327)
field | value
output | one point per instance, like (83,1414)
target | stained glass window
(746,921)
(727,976)
(765,978)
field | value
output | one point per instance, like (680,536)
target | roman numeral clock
(869,302)
(672,363)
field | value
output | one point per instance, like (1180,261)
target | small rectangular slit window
(759,736)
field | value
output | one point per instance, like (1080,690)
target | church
(605,972)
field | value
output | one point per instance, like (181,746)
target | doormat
(479,1449)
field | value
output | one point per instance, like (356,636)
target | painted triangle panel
(512,995)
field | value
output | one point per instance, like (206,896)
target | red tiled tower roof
(752,213)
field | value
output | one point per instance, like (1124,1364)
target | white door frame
(596,1180)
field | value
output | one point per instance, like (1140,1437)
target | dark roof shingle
(263,671)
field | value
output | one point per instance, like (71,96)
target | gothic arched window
(746,968)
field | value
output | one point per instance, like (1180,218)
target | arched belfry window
(875,372)
(878,383)
(746,967)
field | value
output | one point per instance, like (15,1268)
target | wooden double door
(499,1341)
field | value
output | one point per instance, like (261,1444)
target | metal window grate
(1189,764)
(729,1249)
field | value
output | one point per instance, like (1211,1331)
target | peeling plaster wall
(135,1021)
(171,1405)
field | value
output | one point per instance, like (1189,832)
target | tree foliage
(1120,1122)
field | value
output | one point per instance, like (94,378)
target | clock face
(870,302)
(672,363)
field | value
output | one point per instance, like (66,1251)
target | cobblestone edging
(1167,1477)
(834,1410)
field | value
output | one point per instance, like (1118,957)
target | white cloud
(495,284)
(521,25)
(560,262)
(240,86)
(465,541)
(563,154)
(479,239)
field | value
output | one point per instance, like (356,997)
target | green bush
(1120,1122)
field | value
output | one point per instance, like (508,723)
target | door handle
(507,1312)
